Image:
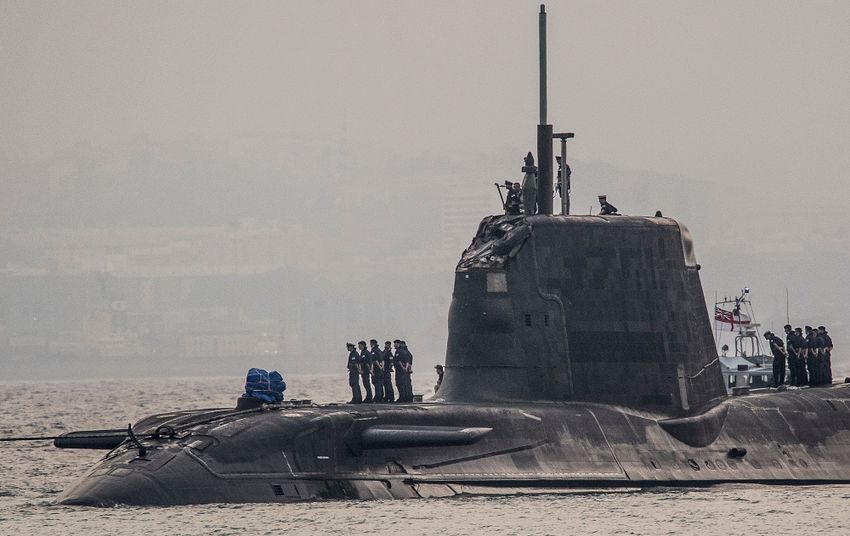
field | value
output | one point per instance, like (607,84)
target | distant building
(249,247)
(228,343)
(460,213)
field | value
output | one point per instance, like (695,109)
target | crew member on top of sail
(606,208)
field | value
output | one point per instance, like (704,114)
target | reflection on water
(32,474)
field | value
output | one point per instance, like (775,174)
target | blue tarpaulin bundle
(264,385)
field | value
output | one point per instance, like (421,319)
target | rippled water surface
(32,475)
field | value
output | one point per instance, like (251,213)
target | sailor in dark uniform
(440,373)
(389,395)
(408,365)
(365,370)
(802,370)
(377,359)
(778,349)
(820,344)
(564,173)
(404,368)
(812,356)
(399,370)
(827,353)
(793,352)
(354,374)
(606,208)
(513,199)
(529,186)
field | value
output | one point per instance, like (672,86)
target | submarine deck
(373,451)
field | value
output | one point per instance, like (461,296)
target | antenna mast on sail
(544,132)
(544,142)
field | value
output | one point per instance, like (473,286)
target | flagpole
(714,315)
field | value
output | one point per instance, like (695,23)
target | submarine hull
(579,354)
(283,454)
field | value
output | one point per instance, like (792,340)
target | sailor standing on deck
(827,353)
(812,356)
(404,368)
(408,369)
(440,373)
(377,358)
(802,373)
(793,354)
(820,344)
(354,374)
(389,395)
(399,371)
(365,370)
(778,349)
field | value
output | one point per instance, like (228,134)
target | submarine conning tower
(581,308)
(602,309)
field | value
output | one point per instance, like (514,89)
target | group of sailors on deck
(809,357)
(374,367)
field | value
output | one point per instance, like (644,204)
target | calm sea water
(32,475)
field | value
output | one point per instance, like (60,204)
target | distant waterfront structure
(247,247)
(461,211)
(166,297)
(138,292)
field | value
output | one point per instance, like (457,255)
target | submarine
(579,355)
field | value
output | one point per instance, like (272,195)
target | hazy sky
(735,91)
(746,99)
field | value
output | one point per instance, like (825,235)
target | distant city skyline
(372,133)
